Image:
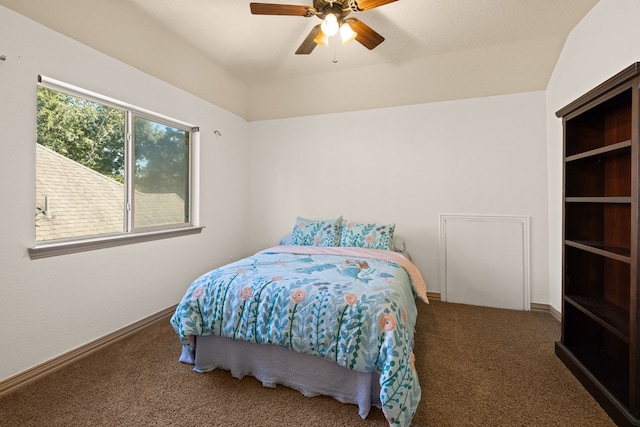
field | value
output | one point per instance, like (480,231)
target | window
(106,171)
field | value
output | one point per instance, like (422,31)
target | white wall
(50,306)
(605,42)
(407,165)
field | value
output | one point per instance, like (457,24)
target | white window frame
(129,235)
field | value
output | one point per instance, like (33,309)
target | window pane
(161,184)
(79,167)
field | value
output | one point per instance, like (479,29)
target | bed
(325,315)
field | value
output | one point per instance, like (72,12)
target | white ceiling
(260,48)
(254,53)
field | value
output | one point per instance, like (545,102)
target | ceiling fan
(334,15)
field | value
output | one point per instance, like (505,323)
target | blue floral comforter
(350,305)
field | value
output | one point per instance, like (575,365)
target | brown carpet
(478,366)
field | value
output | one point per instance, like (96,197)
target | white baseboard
(535,306)
(555,313)
(546,308)
(23,378)
(435,296)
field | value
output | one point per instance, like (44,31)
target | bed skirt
(271,364)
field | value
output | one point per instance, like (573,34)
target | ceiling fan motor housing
(323,8)
(331,7)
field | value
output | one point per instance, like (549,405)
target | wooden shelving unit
(600,329)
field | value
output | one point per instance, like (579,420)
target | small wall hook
(217,132)
(3,58)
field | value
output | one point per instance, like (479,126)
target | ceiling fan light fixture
(321,39)
(346,33)
(334,14)
(330,25)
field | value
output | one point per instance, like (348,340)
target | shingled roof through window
(83,202)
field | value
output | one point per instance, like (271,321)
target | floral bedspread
(350,305)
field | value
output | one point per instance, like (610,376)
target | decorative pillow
(311,232)
(398,246)
(286,240)
(367,235)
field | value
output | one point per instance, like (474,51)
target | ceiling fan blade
(370,4)
(308,44)
(366,36)
(280,9)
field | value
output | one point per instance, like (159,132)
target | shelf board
(610,316)
(593,370)
(599,151)
(619,253)
(606,370)
(621,199)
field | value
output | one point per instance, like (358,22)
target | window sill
(44,250)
